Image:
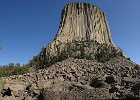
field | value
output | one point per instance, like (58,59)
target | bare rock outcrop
(80,22)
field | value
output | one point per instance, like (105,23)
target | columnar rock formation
(80,22)
(102,72)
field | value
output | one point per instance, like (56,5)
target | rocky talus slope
(81,63)
(77,79)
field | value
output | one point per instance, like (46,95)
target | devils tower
(80,22)
(81,63)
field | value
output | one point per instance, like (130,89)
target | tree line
(13,69)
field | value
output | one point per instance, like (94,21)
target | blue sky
(28,25)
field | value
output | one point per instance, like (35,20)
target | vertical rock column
(83,21)
(80,22)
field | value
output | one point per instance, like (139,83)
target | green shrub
(13,69)
(2,82)
(105,53)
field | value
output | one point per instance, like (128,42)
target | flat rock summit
(81,63)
